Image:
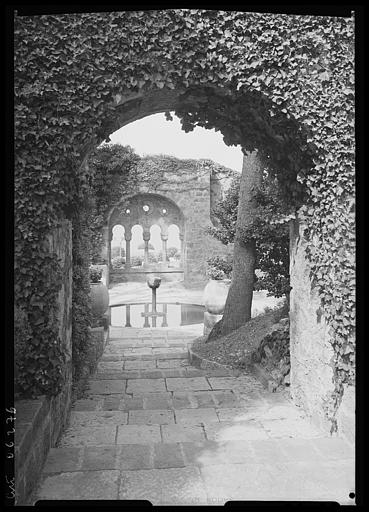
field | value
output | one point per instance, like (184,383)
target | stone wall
(346,415)
(312,366)
(195,186)
(40,422)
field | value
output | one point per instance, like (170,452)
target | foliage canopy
(280,83)
(269,232)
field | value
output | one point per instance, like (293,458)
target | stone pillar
(128,315)
(146,323)
(181,237)
(164,239)
(146,237)
(311,352)
(128,238)
(110,236)
(165,311)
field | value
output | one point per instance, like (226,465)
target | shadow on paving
(155,428)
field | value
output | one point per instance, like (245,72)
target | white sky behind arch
(154,135)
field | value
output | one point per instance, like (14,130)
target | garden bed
(237,348)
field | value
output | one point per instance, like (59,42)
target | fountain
(173,314)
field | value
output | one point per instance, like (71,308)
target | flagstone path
(156,428)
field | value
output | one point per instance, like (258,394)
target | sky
(155,135)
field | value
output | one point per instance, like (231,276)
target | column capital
(146,236)
(164,237)
(127,236)
(164,229)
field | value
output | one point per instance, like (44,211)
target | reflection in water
(168,315)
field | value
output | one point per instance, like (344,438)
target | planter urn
(99,299)
(215,296)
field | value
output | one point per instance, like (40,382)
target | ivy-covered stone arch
(76,76)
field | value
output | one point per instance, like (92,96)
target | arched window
(174,246)
(117,247)
(136,246)
(155,254)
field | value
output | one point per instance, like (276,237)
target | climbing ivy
(113,174)
(283,84)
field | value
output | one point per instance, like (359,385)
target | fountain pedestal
(153,283)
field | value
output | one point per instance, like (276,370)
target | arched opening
(95,104)
(245,118)
(156,242)
(117,247)
(174,250)
(136,246)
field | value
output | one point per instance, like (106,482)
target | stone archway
(255,110)
(94,99)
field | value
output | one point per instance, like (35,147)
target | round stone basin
(171,314)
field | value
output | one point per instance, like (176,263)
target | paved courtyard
(155,428)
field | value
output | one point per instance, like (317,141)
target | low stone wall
(120,276)
(40,422)
(38,426)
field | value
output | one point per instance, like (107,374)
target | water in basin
(170,315)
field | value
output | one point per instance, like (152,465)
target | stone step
(182,370)
(152,355)
(163,400)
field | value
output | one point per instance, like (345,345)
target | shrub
(219,268)
(222,263)
(271,237)
(153,258)
(136,261)
(118,262)
(95,274)
(215,273)
(172,252)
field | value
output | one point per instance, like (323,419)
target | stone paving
(155,428)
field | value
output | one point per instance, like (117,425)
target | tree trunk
(237,309)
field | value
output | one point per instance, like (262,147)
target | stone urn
(98,293)
(99,299)
(215,295)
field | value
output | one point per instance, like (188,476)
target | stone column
(110,236)
(146,309)
(181,237)
(128,238)
(128,315)
(146,237)
(165,311)
(164,239)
